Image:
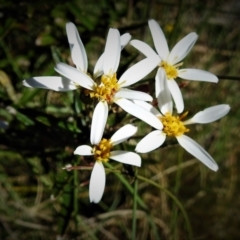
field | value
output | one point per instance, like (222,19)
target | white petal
(210,114)
(163,95)
(149,107)
(182,48)
(123,134)
(197,75)
(75,75)
(97,183)
(126,157)
(144,48)
(197,151)
(176,95)
(78,52)
(83,150)
(98,69)
(138,71)
(124,39)
(159,39)
(131,94)
(99,120)
(112,52)
(60,84)
(139,112)
(150,142)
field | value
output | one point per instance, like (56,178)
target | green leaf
(24,119)
(28,95)
(43,120)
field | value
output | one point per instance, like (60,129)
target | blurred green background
(40,200)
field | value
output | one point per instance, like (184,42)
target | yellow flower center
(102,150)
(171,70)
(106,90)
(172,125)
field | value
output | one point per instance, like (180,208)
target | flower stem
(127,185)
(137,198)
(174,220)
(178,203)
(75,198)
(134,219)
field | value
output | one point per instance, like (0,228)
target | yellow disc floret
(106,90)
(171,70)
(172,125)
(102,150)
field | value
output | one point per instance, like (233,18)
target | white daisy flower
(79,58)
(170,61)
(111,90)
(175,126)
(102,152)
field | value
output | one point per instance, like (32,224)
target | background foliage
(40,200)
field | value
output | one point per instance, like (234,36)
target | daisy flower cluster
(108,88)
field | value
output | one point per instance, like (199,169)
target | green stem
(174,219)
(154,228)
(178,203)
(75,198)
(127,185)
(137,198)
(86,228)
(78,219)
(134,219)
